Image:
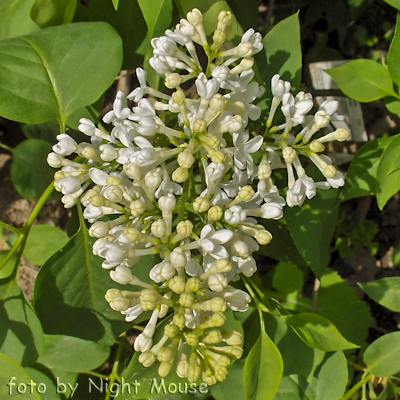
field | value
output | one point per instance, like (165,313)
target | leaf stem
(114,373)
(356,387)
(4,146)
(24,232)
(10,228)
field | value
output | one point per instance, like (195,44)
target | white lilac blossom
(138,184)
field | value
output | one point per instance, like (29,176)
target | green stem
(184,197)
(114,373)
(396,390)
(4,146)
(24,232)
(10,228)
(96,119)
(97,375)
(355,388)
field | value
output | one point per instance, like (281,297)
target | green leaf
(384,291)
(363,80)
(47,131)
(128,21)
(281,54)
(47,13)
(312,226)
(393,59)
(63,352)
(30,172)
(50,74)
(8,269)
(115,4)
(288,279)
(298,358)
(263,370)
(340,303)
(158,17)
(392,104)
(43,241)
(246,13)
(383,355)
(232,387)
(393,3)
(361,178)
(69,293)
(21,335)
(329,382)
(281,234)
(10,369)
(318,332)
(388,174)
(42,374)
(15,18)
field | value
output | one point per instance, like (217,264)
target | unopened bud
(264,170)
(246,193)
(201,204)
(171,330)
(342,134)
(217,282)
(147,359)
(133,234)
(195,17)
(97,200)
(316,146)
(233,338)
(211,141)
(321,119)
(159,228)
(215,213)
(165,354)
(137,208)
(173,80)
(193,285)
(179,96)
(165,368)
(193,373)
(180,175)
(192,339)
(200,126)
(217,103)
(114,193)
(186,299)
(99,229)
(329,171)
(177,284)
(185,159)
(133,171)
(184,229)
(289,154)
(218,157)
(214,337)
(263,237)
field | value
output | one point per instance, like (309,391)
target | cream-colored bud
(177,284)
(179,96)
(165,368)
(233,338)
(342,134)
(240,108)
(185,159)
(181,369)
(99,229)
(179,319)
(165,354)
(316,146)
(218,319)
(209,380)
(153,180)
(137,208)
(113,180)
(148,299)
(214,337)
(147,359)
(133,234)
(329,171)
(217,304)
(159,228)
(215,213)
(90,153)
(193,372)
(217,282)
(201,204)
(180,175)
(120,304)
(171,330)
(178,258)
(97,200)
(264,170)
(173,80)
(218,157)
(263,237)
(193,285)
(246,193)
(289,154)
(321,119)
(200,126)
(223,266)
(247,63)
(133,171)
(244,50)
(192,339)
(225,17)
(211,140)
(114,193)
(240,249)
(111,294)
(186,299)
(219,39)
(217,103)
(184,229)
(195,17)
